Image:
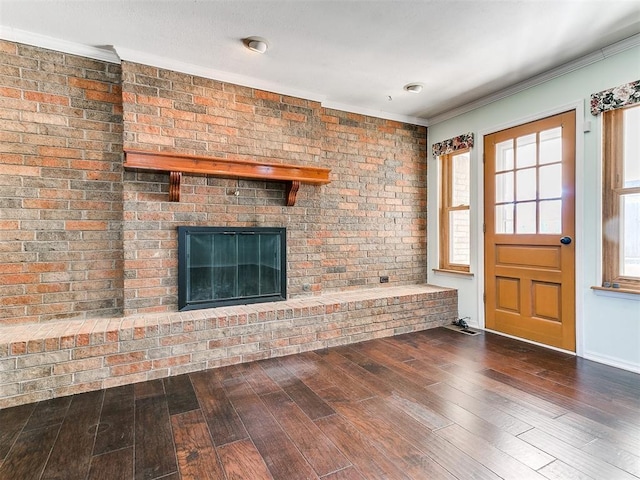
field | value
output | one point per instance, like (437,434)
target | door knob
(565,240)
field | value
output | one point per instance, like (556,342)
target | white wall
(608,327)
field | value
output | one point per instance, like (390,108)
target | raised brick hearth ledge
(54,359)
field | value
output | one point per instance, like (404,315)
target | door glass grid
(528,183)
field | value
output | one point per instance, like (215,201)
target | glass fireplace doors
(230,266)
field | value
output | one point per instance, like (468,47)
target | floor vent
(466,331)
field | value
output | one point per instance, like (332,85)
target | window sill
(617,293)
(458,273)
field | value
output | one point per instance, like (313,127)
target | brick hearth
(63,358)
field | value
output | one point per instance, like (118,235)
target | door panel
(508,294)
(546,300)
(529,206)
(535,256)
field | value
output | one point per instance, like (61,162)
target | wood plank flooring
(430,405)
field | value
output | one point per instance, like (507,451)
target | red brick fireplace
(370,221)
(91,247)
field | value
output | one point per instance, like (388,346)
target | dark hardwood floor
(430,405)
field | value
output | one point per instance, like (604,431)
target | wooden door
(529,209)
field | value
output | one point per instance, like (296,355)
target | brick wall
(80,238)
(60,186)
(369,221)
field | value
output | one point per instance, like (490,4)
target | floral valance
(451,145)
(617,97)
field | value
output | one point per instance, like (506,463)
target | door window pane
(526,151)
(526,184)
(551,146)
(526,217)
(504,156)
(504,218)
(550,181)
(550,217)
(504,187)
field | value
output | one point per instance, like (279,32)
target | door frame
(581,128)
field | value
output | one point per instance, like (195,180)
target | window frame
(446,207)
(612,192)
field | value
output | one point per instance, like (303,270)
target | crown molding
(116,54)
(621,46)
(369,112)
(34,39)
(143,58)
(158,61)
(182,67)
(569,67)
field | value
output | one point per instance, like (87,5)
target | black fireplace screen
(230,266)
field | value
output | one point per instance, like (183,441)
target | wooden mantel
(177,164)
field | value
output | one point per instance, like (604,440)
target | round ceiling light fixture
(256,44)
(414,87)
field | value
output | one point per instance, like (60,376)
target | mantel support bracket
(292,191)
(174,186)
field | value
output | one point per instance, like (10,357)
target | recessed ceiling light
(256,44)
(414,87)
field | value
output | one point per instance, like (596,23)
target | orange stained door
(529,210)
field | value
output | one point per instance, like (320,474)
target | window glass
(459,239)
(550,181)
(551,146)
(630,235)
(504,156)
(461,173)
(504,187)
(526,184)
(526,217)
(550,216)
(526,151)
(631,148)
(504,218)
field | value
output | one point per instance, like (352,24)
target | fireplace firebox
(220,266)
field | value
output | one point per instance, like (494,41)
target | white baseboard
(531,342)
(612,362)
(594,357)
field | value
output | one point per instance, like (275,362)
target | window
(454,211)
(621,197)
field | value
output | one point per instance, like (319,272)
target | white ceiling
(355,55)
